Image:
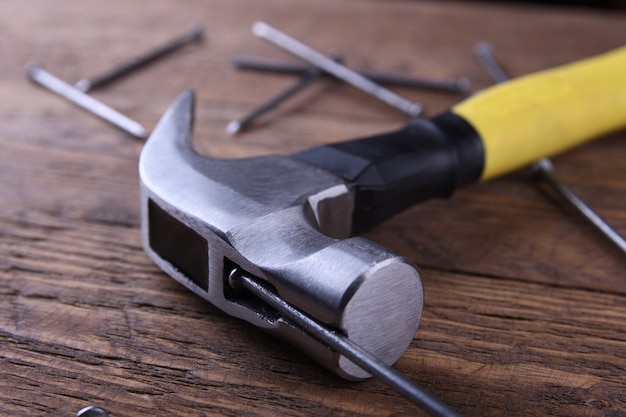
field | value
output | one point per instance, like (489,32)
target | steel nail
(305,52)
(194,34)
(308,77)
(454,85)
(544,170)
(346,347)
(71,93)
(484,54)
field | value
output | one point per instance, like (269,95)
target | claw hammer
(291,221)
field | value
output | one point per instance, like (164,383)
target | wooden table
(525,309)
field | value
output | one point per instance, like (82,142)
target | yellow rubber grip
(545,113)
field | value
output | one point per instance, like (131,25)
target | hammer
(291,221)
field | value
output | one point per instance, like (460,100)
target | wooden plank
(525,303)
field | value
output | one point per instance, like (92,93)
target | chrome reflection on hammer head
(283,221)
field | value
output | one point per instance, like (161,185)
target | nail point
(197,31)
(233,127)
(83,85)
(416,109)
(482,47)
(259,28)
(463,84)
(32,68)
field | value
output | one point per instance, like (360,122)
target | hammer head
(283,221)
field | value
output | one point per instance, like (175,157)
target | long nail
(308,77)
(58,86)
(543,170)
(453,85)
(484,54)
(90,84)
(345,346)
(305,52)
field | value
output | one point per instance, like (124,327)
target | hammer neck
(390,172)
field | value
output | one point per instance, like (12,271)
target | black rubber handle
(389,172)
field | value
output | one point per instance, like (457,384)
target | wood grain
(525,304)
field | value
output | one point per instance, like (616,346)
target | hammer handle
(546,113)
(492,133)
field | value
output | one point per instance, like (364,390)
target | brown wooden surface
(525,304)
